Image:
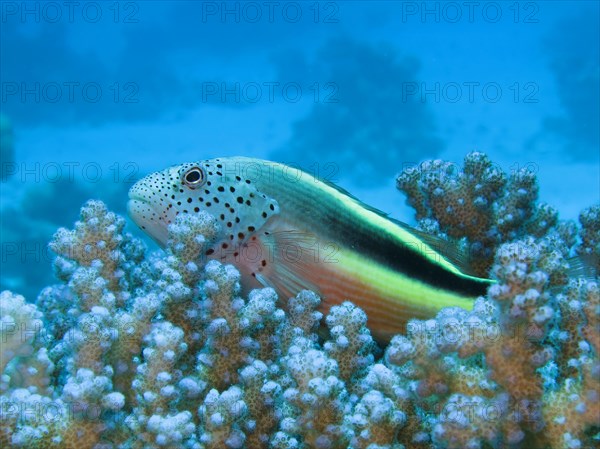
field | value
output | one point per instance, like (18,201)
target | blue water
(100,93)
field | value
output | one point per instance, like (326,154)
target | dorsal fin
(450,249)
(354,198)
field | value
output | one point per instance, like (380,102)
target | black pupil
(193,176)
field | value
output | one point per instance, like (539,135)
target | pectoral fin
(284,260)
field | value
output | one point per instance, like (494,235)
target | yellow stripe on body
(389,298)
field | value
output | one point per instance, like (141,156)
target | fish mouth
(147,217)
(134,202)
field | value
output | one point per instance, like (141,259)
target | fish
(287,229)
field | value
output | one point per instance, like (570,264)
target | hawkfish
(287,229)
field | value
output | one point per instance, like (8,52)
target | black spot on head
(271,207)
(240,199)
(264,215)
(210,251)
(232,189)
(251,228)
(196,209)
(241,235)
(208,204)
(247,181)
(264,263)
(189,200)
(179,203)
(229,224)
(221,189)
(237,178)
(248,203)
(225,246)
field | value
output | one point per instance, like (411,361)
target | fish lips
(148,218)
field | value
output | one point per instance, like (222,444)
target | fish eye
(194,177)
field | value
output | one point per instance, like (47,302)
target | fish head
(209,185)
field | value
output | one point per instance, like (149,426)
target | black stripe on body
(390,251)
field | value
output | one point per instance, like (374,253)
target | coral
(590,236)
(260,395)
(382,410)
(155,386)
(479,204)
(224,415)
(20,323)
(162,350)
(24,360)
(573,405)
(351,344)
(316,402)
(502,373)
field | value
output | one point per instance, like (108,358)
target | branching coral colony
(160,351)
